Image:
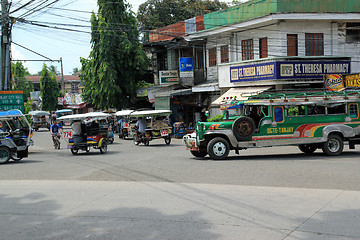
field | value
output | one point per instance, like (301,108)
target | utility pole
(5,42)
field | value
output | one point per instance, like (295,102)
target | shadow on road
(35,216)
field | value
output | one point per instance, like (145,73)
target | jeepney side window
(316,110)
(265,111)
(338,108)
(354,110)
(296,110)
(278,113)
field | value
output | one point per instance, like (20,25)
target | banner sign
(186,67)
(334,82)
(170,76)
(288,70)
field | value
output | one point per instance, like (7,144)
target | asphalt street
(162,192)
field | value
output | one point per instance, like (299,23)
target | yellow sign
(334,82)
(352,80)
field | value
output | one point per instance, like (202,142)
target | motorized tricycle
(61,113)
(41,119)
(157,126)
(92,134)
(124,127)
(15,136)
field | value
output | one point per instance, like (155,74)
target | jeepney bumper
(190,141)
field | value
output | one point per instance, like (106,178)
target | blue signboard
(253,72)
(186,65)
(288,70)
(186,68)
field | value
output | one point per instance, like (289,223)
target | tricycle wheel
(14,157)
(4,155)
(74,151)
(103,148)
(168,140)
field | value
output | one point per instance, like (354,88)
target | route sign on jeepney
(11,100)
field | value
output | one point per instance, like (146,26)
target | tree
(19,73)
(49,89)
(155,14)
(53,69)
(75,71)
(116,59)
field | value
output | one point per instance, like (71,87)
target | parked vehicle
(309,120)
(40,119)
(15,136)
(93,134)
(124,129)
(157,126)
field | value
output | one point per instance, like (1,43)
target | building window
(314,44)
(212,57)
(263,45)
(247,48)
(292,45)
(352,32)
(224,51)
(74,87)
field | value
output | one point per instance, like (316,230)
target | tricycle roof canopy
(123,113)
(149,113)
(39,113)
(11,113)
(84,116)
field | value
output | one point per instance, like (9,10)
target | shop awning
(239,94)
(206,87)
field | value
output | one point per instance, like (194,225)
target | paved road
(161,192)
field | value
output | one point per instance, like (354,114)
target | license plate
(164,132)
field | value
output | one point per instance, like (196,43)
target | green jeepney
(310,120)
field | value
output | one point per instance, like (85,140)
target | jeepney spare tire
(308,148)
(243,128)
(199,154)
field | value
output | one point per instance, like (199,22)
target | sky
(52,43)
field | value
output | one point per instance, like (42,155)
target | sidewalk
(152,210)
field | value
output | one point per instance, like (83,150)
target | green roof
(260,8)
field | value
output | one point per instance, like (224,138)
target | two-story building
(256,46)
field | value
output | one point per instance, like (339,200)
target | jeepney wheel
(243,128)
(4,155)
(103,147)
(308,148)
(167,141)
(333,146)
(74,151)
(218,148)
(199,154)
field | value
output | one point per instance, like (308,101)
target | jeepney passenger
(255,116)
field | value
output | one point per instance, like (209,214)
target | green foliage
(155,14)
(116,59)
(49,89)
(216,118)
(19,73)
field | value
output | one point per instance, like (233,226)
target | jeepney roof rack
(305,94)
